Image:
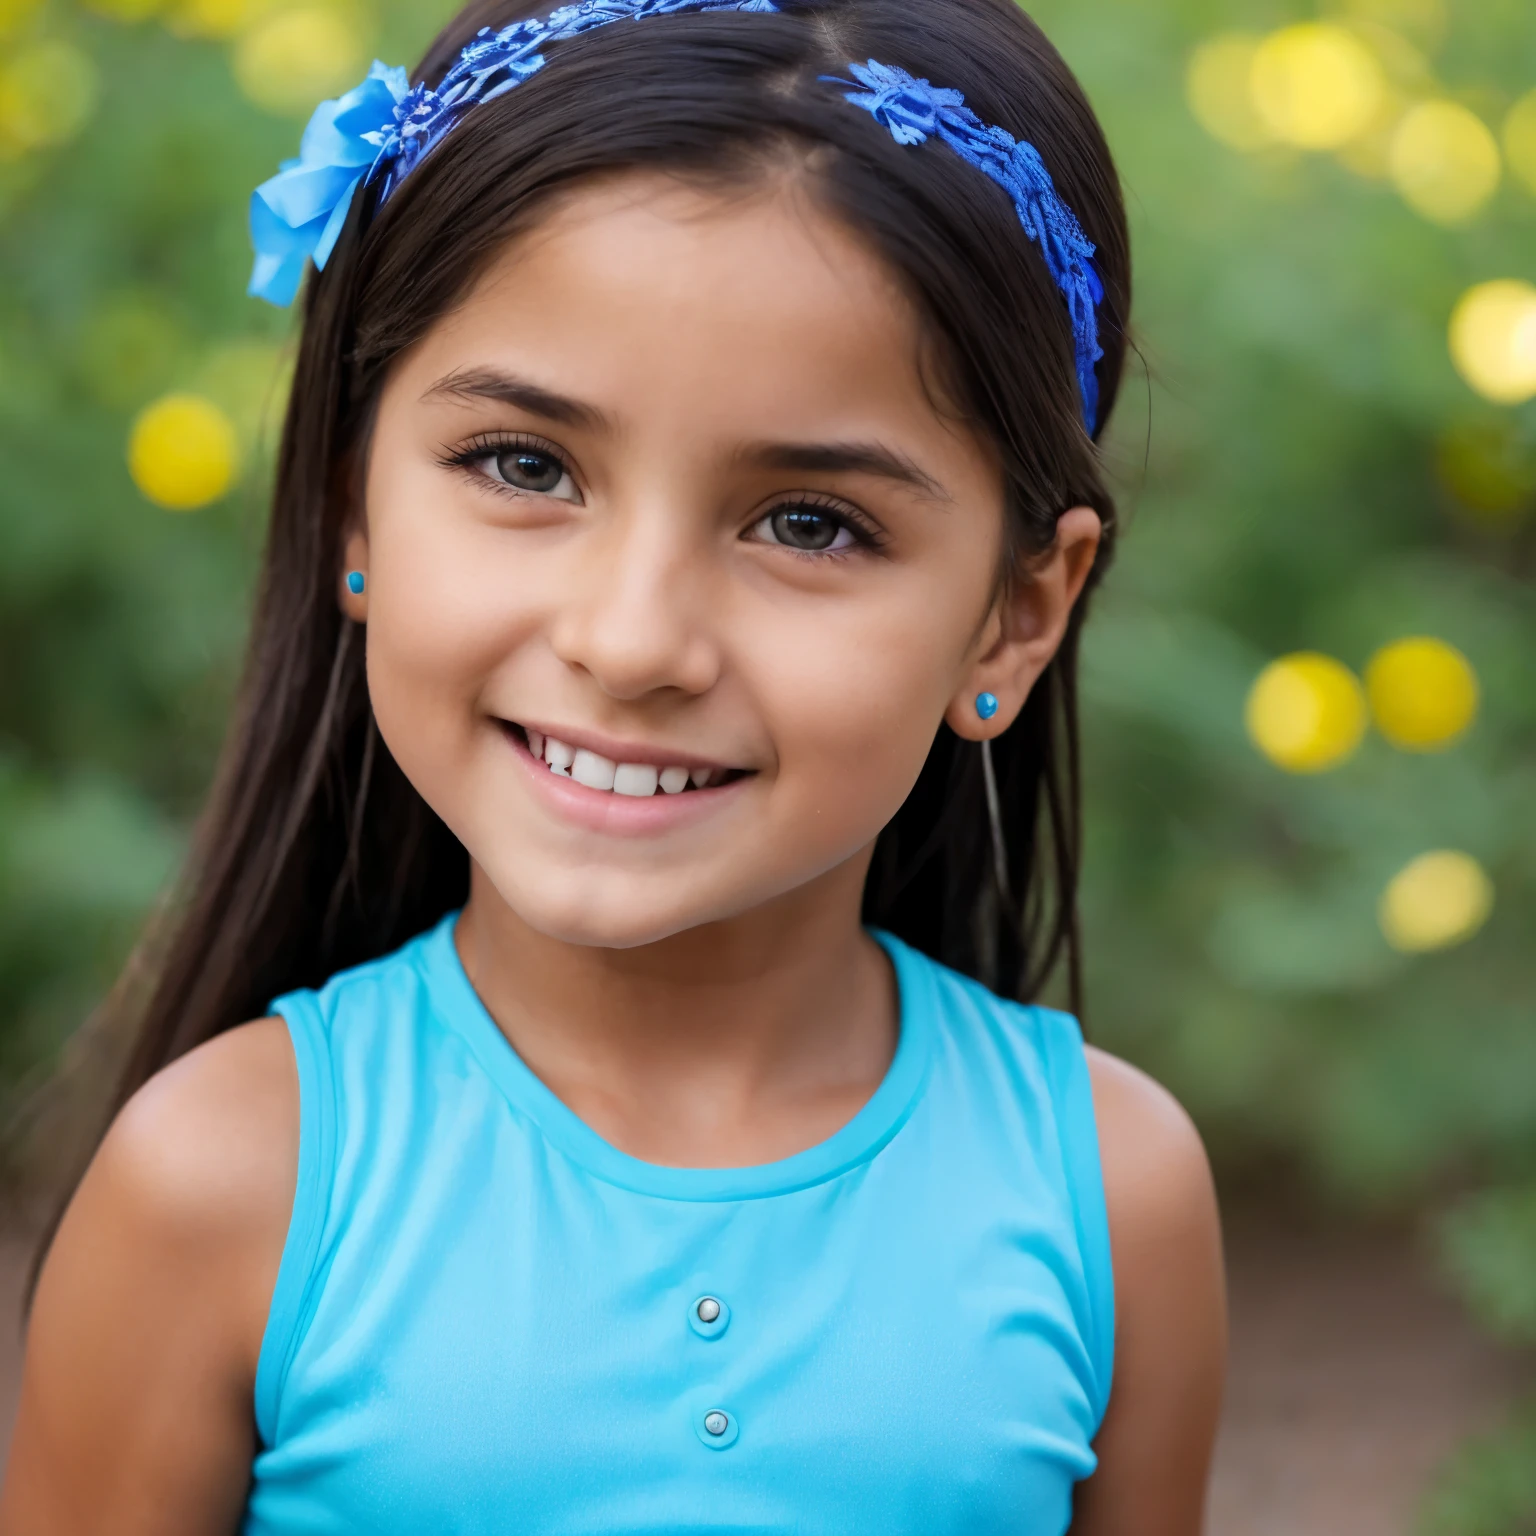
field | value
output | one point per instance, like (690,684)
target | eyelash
(487,445)
(867,535)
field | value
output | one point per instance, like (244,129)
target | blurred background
(1311,698)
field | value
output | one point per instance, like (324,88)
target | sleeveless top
(488,1319)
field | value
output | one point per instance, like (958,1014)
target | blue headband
(383,127)
(914,110)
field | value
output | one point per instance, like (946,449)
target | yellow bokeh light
(1306,712)
(183,452)
(1520,140)
(1316,85)
(14,12)
(1437,900)
(1423,693)
(47,93)
(1444,161)
(1493,340)
(294,59)
(1219,90)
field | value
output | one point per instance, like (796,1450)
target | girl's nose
(638,614)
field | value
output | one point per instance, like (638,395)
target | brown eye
(804,530)
(814,530)
(526,469)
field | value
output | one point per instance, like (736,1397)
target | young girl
(655,773)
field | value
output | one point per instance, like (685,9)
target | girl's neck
(734,1043)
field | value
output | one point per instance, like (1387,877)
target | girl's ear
(353,575)
(1024,630)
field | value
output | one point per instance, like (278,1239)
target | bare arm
(1170,1314)
(141,1353)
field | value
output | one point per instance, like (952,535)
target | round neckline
(876,1122)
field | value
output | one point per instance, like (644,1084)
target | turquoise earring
(355,586)
(986,707)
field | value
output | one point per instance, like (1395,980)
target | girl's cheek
(451,596)
(855,713)
(443,617)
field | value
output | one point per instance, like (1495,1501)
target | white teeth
(639,780)
(635,779)
(593,769)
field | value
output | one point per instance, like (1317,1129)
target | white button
(708,1316)
(716,1428)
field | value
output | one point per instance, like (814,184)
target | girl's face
(666,501)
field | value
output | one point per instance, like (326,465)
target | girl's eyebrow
(506,388)
(802,458)
(846,458)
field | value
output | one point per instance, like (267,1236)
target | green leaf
(1489,1488)
(1488,1245)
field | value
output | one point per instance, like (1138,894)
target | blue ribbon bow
(384,126)
(298,214)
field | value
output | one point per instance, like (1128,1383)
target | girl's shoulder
(201,1161)
(1170,1303)
(212,1141)
(151,1304)
(1151,1152)
(1158,1192)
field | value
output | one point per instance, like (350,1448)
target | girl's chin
(620,912)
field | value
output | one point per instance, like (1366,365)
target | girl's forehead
(772,233)
(643,283)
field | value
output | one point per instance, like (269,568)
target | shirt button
(717,1429)
(709,1317)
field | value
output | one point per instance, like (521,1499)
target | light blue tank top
(488,1319)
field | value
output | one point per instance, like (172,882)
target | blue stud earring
(355,586)
(986,705)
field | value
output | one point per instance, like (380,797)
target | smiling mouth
(639,780)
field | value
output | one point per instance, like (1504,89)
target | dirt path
(1352,1377)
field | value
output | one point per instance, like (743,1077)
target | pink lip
(600,810)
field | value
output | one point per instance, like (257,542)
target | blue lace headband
(382,128)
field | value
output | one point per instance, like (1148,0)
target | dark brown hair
(315,852)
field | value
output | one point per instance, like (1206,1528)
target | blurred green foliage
(1489,1240)
(1490,1487)
(1301,469)
(1284,475)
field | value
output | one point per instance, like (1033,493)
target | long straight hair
(314,851)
